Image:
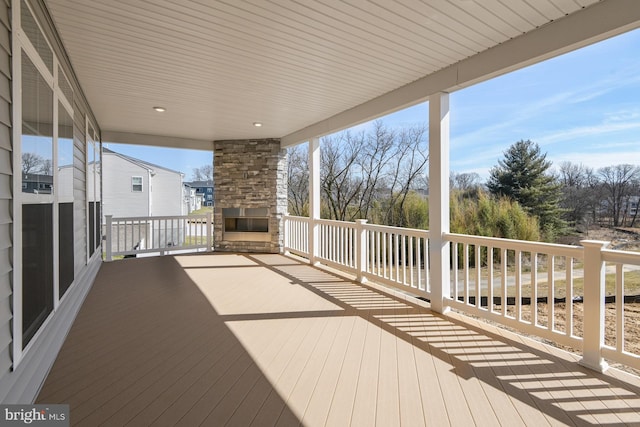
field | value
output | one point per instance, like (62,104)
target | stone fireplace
(250,193)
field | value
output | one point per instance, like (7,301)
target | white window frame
(21,43)
(133,184)
(91,139)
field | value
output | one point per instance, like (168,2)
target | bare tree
(464,181)
(410,162)
(375,157)
(47,167)
(617,183)
(341,179)
(32,163)
(298,180)
(203,173)
(363,175)
(579,192)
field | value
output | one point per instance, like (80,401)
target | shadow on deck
(265,340)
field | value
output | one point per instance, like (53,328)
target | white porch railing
(159,234)
(617,320)
(516,283)
(536,288)
(391,255)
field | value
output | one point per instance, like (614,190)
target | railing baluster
(427,284)
(518,272)
(390,254)
(377,254)
(397,259)
(419,261)
(478,250)
(551,292)
(382,254)
(411,262)
(465,272)
(118,248)
(454,259)
(490,278)
(568,305)
(404,259)
(341,246)
(620,307)
(503,281)
(534,288)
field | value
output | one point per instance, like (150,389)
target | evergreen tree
(523,176)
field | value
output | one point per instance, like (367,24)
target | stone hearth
(249,174)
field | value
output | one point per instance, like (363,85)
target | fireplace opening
(246,224)
(258,225)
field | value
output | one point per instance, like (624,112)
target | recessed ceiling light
(257,124)
(160,109)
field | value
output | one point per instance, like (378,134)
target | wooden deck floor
(264,340)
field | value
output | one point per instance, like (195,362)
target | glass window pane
(65,86)
(37,268)
(98,171)
(98,212)
(65,246)
(65,155)
(37,127)
(35,36)
(91,168)
(136,183)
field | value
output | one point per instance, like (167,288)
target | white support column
(594,284)
(361,250)
(314,197)
(439,199)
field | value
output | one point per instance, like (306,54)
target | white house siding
(65,183)
(21,383)
(6,205)
(119,199)
(79,191)
(166,193)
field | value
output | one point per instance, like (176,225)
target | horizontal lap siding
(79,190)
(6,191)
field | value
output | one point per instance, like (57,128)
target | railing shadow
(534,374)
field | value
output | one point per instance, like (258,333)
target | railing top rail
(336,222)
(397,230)
(297,218)
(539,247)
(367,226)
(152,218)
(623,257)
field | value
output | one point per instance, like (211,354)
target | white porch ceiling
(299,67)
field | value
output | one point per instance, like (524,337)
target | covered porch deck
(253,339)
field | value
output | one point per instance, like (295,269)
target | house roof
(142,163)
(303,69)
(199,184)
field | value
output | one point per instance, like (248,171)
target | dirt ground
(626,239)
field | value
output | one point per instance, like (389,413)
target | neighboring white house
(134,187)
(192,200)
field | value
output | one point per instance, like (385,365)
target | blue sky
(583,107)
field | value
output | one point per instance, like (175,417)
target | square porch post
(314,197)
(439,200)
